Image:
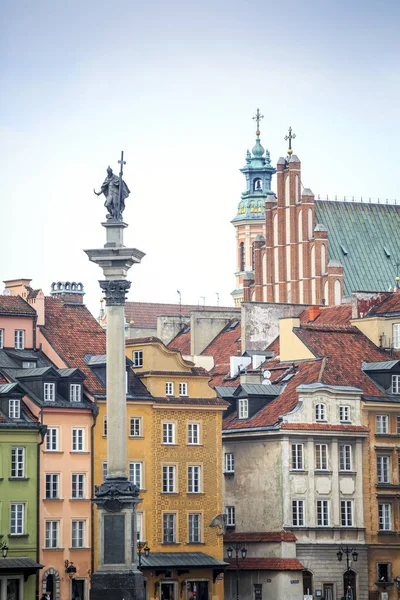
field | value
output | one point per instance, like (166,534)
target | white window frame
(345,414)
(137,359)
(19,339)
(168,433)
(183,388)
(323,516)
(1,338)
(194,528)
(78,486)
(52,439)
(194,479)
(49,391)
(78,439)
(18,462)
(230,516)
(168,479)
(229,462)
(75,391)
(78,533)
(320,412)
(135,427)
(139,527)
(347,513)
(193,434)
(52,486)
(169,526)
(298,507)
(396,335)
(243,408)
(17,518)
(345,457)
(321,457)
(52,535)
(105,470)
(136,473)
(396,384)
(382,424)
(105,426)
(297,457)
(384,516)
(169,388)
(29,364)
(383,468)
(14,408)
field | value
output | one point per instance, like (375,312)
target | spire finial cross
(290,137)
(258,118)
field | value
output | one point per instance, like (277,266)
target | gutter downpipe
(95,412)
(42,431)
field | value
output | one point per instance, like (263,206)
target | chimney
(68,291)
(313,312)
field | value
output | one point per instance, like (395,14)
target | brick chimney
(69,291)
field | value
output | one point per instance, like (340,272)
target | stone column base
(117,585)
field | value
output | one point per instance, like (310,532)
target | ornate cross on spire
(290,137)
(258,118)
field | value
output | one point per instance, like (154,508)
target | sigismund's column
(117,576)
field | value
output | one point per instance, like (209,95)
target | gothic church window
(241,257)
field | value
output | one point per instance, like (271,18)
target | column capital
(115,291)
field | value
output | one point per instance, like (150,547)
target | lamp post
(142,548)
(70,568)
(349,552)
(243,551)
(4,550)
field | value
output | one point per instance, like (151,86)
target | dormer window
(396,336)
(49,392)
(19,339)
(137,358)
(395,384)
(14,408)
(169,388)
(320,412)
(243,411)
(344,414)
(1,338)
(75,392)
(29,364)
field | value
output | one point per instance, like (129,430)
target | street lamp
(4,549)
(70,569)
(349,552)
(146,551)
(243,551)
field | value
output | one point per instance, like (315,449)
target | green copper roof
(365,238)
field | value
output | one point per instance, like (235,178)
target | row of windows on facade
(383,423)
(14,404)
(168,431)
(19,339)
(169,475)
(320,412)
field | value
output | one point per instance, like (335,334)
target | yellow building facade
(174,447)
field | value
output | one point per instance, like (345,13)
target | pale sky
(175,85)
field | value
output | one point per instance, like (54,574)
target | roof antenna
(217,294)
(180,309)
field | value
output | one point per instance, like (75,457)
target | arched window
(338,292)
(300,227)
(297,189)
(241,257)
(320,412)
(323,259)
(350,585)
(287,190)
(307,583)
(310,224)
(257,185)
(326,293)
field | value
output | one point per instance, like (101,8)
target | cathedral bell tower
(250,219)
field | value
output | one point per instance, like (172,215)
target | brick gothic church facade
(292,248)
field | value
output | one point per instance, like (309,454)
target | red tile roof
(15,305)
(181,342)
(390,304)
(73,332)
(144,314)
(334,315)
(263,536)
(266,564)
(3,379)
(226,344)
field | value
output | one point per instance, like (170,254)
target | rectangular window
(137,358)
(193,434)
(78,439)
(75,392)
(135,427)
(105,470)
(18,462)
(78,486)
(323,513)
(194,528)
(139,527)
(1,338)
(49,392)
(395,384)
(29,364)
(398,424)
(183,388)
(243,408)
(135,473)
(396,335)
(52,534)
(320,412)
(384,512)
(298,513)
(230,516)
(382,424)
(194,481)
(52,481)
(297,457)
(229,462)
(344,414)
(168,433)
(52,439)
(345,462)
(169,388)
(14,408)
(17,518)
(78,534)
(382,467)
(168,485)
(19,339)
(321,457)
(105,427)
(169,528)
(346,513)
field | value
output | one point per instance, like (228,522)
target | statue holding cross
(116,191)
